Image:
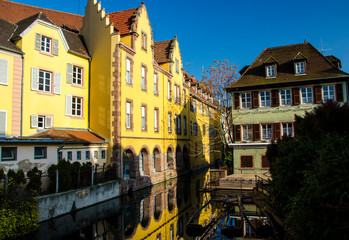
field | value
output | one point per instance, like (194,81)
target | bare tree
(217,78)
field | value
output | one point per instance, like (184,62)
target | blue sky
(236,30)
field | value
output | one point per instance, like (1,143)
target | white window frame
(247,132)
(43,76)
(43,153)
(128,71)
(270,71)
(267,131)
(128,115)
(300,68)
(77,106)
(156,84)
(264,101)
(326,92)
(143,85)
(77,75)
(245,100)
(287,128)
(43,44)
(285,97)
(143,120)
(306,95)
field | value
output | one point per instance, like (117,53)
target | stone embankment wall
(57,204)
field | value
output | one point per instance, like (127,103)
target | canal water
(159,212)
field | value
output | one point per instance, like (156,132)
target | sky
(236,30)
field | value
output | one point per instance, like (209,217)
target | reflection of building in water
(159,212)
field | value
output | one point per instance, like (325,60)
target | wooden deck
(240,181)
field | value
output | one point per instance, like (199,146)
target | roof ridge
(41,8)
(289,45)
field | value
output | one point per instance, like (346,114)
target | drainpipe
(21,120)
(89,93)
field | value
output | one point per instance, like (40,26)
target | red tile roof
(71,136)
(162,50)
(122,20)
(14,12)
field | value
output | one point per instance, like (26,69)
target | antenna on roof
(305,40)
(322,49)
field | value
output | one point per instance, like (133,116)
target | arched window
(154,161)
(127,156)
(141,162)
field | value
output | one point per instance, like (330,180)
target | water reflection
(158,212)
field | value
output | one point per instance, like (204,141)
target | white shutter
(68,104)
(57,83)
(55,47)
(34,121)
(37,41)
(3,123)
(48,121)
(69,73)
(3,71)
(35,78)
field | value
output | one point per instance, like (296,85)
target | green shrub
(34,180)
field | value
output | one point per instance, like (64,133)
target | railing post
(57,181)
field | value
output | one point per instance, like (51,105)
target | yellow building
(45,87)
(138,97)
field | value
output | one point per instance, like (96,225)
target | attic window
(144,40)
(270,71)
(300,68)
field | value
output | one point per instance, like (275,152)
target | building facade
(281,82)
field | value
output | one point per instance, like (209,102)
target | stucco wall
(57,204)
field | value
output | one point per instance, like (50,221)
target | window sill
(47,54)
(129,84)
(77,85)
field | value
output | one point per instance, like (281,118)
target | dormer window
(270,71)
(299,68)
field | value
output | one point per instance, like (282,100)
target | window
(265,162)
(328,93)
(41,122)
(172,232)
(77,75)
(265,99)
(246,161)
(271,71)
(300,68)
(128,71)
(184,98)
(144,77)
(141,162)
(177,94)
(169,122)
(178,129)
(177,66)
(185,125)
(95,154)
(203,129)
(266,131)
(287,129)
(69,155)
(60,155)
(156,120)
(40,152)
(141,211)
(45,80)
(103,154)
(169,97)
(195,129)
(129,114)
(156,84)
(245,100)
(307,95)
(76,106)
(144,117)
(3,71)
(87,155)
(78,155)
(247,132)
(8,153)
(285,96)
(144,41)
(45,45)
(154,161)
